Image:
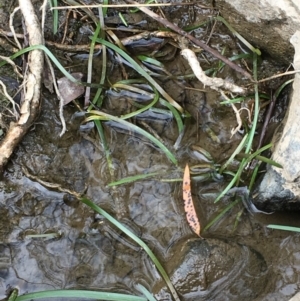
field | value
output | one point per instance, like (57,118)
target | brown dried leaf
(189,207)
(68,89)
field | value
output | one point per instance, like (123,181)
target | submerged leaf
(189,207)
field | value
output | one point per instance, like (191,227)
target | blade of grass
(243,98)
(128,87)
(104,9)
(90,65)
(82,294)
(106,149)
(145,292)
(237,151)
(103,116)
(150,60)
(135,113)
(137,90)
(263,159)
(237,219)
(54,60)
(234,58)
(251,133)
(97,98)
(162,101)
(227,208)
(44,235)
(134,179)
(138,241)
(243,164)
(123,19)
(278,91)
(256,106)
(143,73)
(53,3)
(253,176)
(284,228)
(175,114)
(193,27)
(244,41)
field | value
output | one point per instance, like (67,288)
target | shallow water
(239,258)
(87,252)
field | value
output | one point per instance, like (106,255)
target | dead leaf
(68,89)
(189,207)
(48,79)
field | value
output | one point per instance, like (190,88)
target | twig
(16,114)
(31,104)
(191,38)
(212,31)
(215,82)
(278,75)
(237,116)
(267,120)
(238,119)
(66,26)
(51,185)
(11,26)
(11,62)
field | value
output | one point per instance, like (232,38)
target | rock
(215,269)
(267,24)
(279,189)
(296,297)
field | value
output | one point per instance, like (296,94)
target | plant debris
(189,207)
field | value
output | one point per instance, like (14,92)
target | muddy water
(238,259)
(85,251)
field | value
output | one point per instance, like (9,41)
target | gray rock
(267,24)
(279,189)
(215,269)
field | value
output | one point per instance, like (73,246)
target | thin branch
(11,26)
(278,75)
(16,114)
(213,82)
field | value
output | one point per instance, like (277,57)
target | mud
(239,257)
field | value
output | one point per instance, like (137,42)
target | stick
(30,106)
(191,38)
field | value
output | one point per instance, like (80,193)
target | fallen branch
(29,108)
(191,38)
